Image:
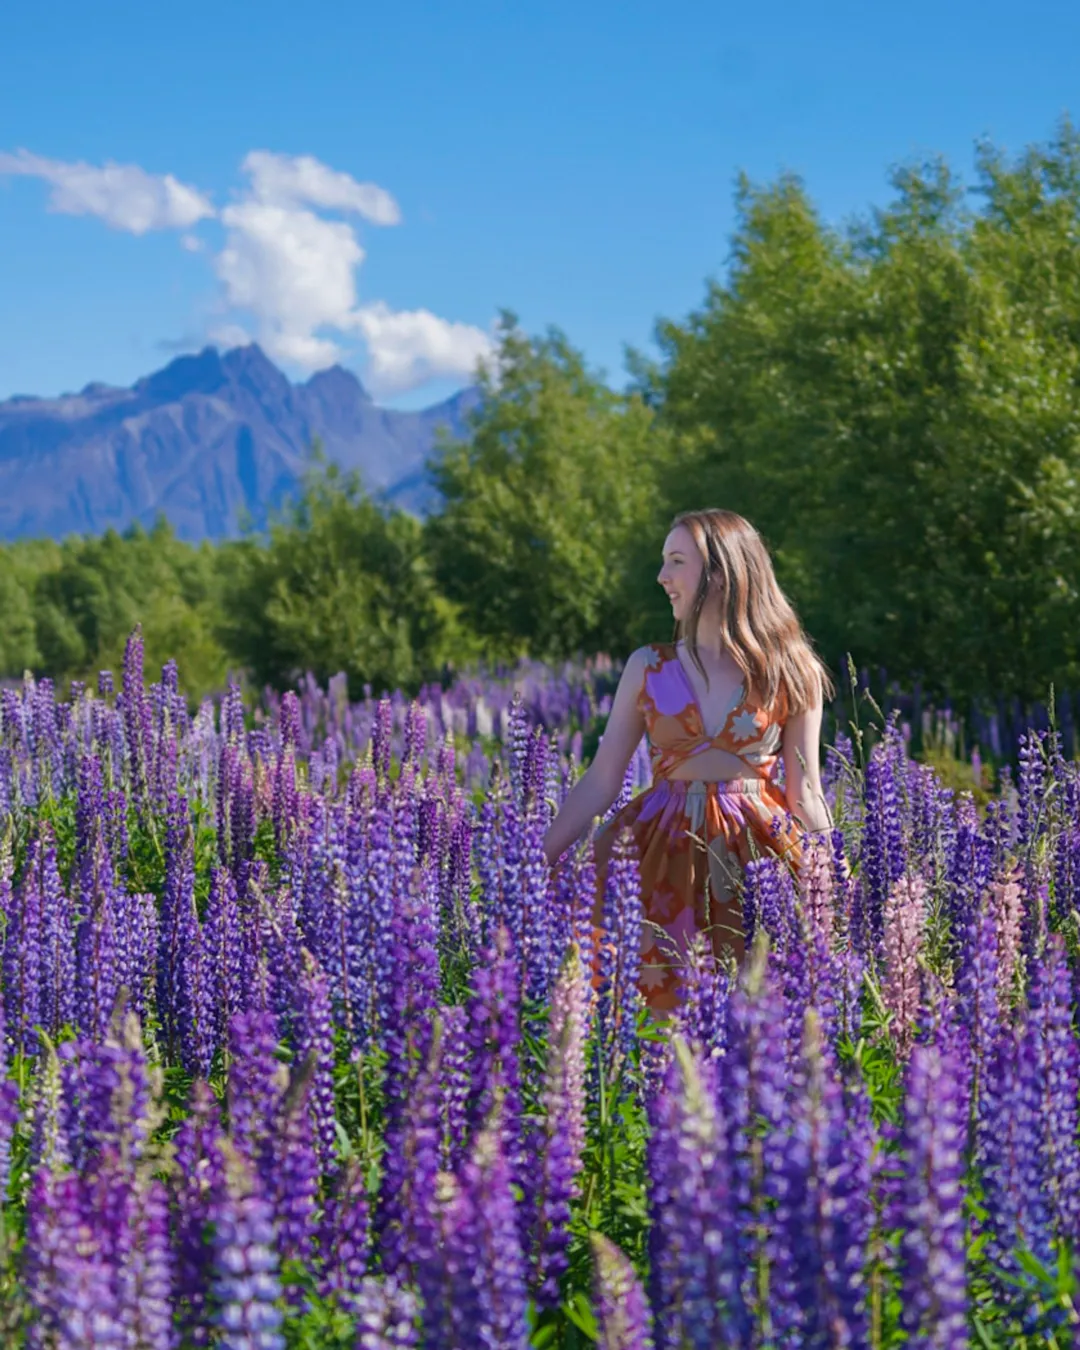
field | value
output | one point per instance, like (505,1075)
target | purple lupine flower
(198,1179)
(1057,1062)
(622,1310)
(244,1285)
(135,925)
(1066,847)
(382,732)
(257,1081)
(415,987)
(930,1208)
(977,988)
(454,1084)
(405,1218)
(517,742)
(232,714)
(9,1114)
(48,755)
(905,924)
(376,915)
(23,957)
(386,1315)
(769,903)
(313,866)
(344,1242)
(487,844)
(89,810)
(145,1277)
(499,1273)
(222,951)
(754,1088)
(284,798)
(619,994)
(194,996)
(290,719)
(534,771)
(415,734)
(539,955)
(511,901)
(315,1041)
(558,1144)
(451,1302)
(177,908)
(137,722)
(968,873)
(999,826)
(241,828)
(693,1261)
(116,1094)
(1011,1160)
(349,961)
(1031,788)
(701,1018)
(882,840)
(827,1204)
(294,1165)
(66,1273)
(97,973)
(494,1035)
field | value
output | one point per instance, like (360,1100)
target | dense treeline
(896,405)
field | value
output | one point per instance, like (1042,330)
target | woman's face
(681,571)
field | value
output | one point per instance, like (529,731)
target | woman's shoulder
(650,657)
(653,653)
(642,661)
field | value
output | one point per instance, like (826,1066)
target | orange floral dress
(694,837)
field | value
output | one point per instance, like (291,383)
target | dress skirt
(693,839)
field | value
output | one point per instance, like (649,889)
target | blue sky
(572,162)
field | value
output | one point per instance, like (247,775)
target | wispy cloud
(300,180)
(286,269)
(123,195)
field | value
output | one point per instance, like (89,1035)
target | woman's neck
(709,640)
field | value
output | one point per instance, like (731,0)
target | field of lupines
(303,1047)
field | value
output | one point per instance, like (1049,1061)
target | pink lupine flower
(905,923)
(816,896)
(1007,907)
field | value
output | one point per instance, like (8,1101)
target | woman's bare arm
(802,772)
(598,787)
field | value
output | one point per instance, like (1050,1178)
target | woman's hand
(599,785)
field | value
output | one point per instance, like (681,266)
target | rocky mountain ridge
(209,441)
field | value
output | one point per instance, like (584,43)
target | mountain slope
(208,440)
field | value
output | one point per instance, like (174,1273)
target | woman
(739,687)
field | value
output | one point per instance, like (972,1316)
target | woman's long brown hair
(757,622)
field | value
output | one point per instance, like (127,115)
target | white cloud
(295,273)
(229,335)
(406,348)
(287,272)
(300,180)
(123,195)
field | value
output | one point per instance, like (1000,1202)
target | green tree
(342,584)
(88,594)
(550,507)
(896,407)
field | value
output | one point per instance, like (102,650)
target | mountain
(208,441)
